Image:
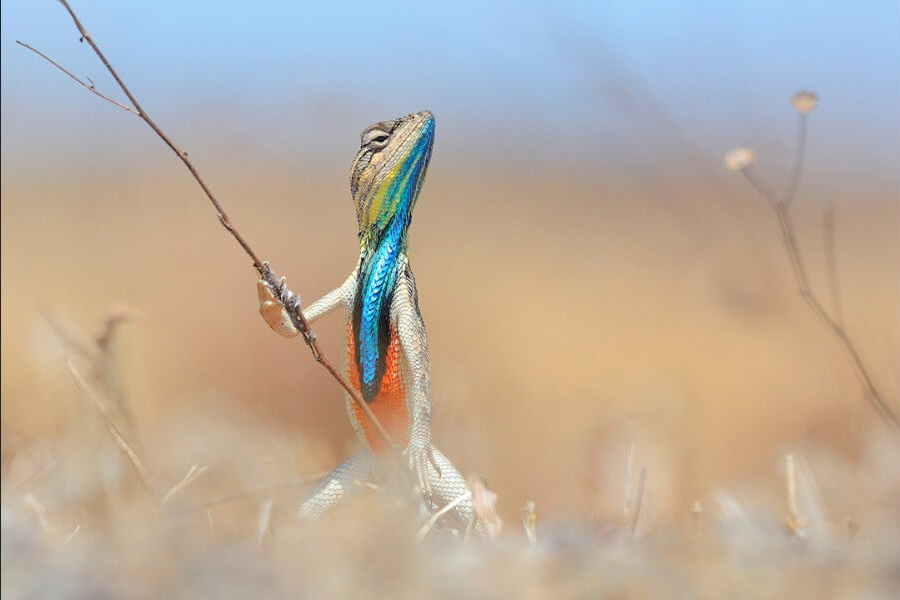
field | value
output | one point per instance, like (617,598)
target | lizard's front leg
(276,302)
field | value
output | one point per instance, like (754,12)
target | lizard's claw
(274,305)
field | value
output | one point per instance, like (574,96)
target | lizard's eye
(375,139)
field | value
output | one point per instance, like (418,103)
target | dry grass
(92,512)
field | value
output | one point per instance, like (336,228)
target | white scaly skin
(383,145)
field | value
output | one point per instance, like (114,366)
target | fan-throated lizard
(386,356)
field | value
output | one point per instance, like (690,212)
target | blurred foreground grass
(82,519)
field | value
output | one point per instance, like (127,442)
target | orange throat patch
(389,405)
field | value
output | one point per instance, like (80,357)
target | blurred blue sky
(591,80)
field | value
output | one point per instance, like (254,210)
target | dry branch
(261,267)
(639,500)
(193,473)
(804,102)
(115,432)
(420,535)
(89,87)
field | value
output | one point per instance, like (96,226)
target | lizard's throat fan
(386,178)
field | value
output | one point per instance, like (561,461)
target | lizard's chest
(386,395)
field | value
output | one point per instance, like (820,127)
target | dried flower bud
(739,159)
(529,520)
(804,101)
(485,502)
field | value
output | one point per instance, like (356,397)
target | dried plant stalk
(261,267)
(742,160)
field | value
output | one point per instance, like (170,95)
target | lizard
(386,354)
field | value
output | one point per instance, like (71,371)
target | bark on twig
(261,267)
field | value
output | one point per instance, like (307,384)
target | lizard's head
(388,171)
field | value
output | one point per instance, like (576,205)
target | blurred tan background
(587,285)
(569,315)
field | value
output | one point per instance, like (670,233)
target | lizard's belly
(389,404)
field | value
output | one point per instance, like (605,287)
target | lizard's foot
(276,303)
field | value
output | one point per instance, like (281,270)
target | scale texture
(386,355)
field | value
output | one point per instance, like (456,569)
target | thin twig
(790,474)
(815,304)
(38,472)
(833,323)
(69,341)
(193,473)
(799,156)
(264,520)
(831,263)
(118,437)
(89,88)
(220,212)
(261,267)
(420,535)
(629,482)
(302,325)
(757,183)
(74,531)
(639,500)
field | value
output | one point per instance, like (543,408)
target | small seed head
(739,159)
(804,101)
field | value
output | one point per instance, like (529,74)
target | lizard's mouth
(417,122)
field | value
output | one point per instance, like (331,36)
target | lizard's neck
(381,262)
(389,244)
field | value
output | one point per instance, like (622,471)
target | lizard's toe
(274,312)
